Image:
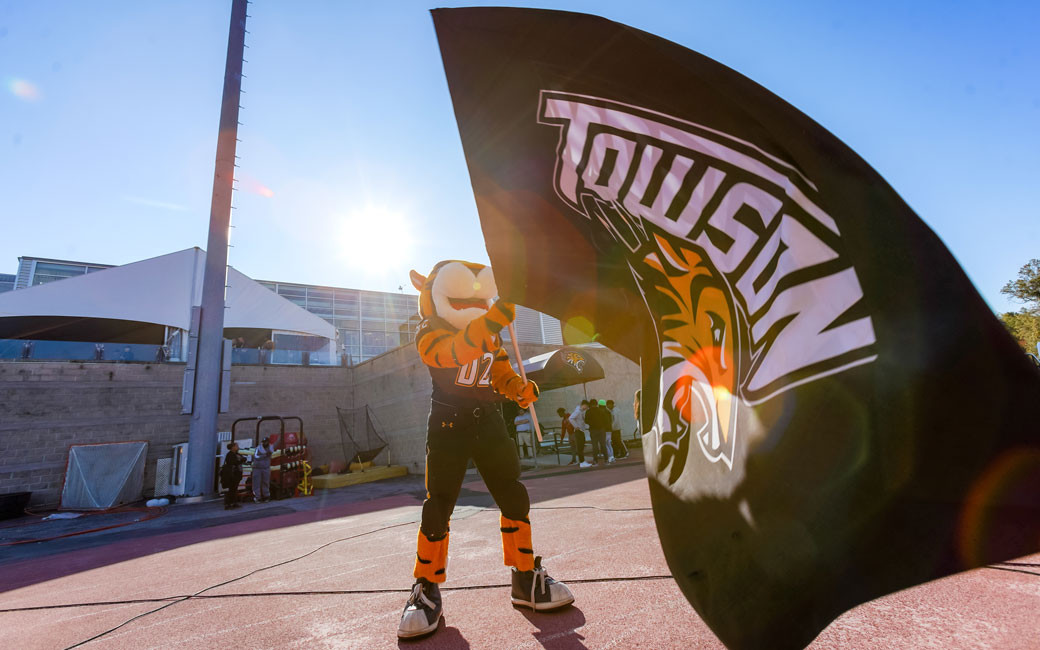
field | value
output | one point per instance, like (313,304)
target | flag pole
(202,431)
(523,375)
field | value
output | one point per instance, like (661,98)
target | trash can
(13,505)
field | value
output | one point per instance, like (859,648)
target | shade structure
(160,290)
(104,475)
(566,366)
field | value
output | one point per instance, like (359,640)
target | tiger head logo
(575,360)
(456,291)
(700,357)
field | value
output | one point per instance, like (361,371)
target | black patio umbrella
(566,366)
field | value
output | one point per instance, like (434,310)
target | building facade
(41,270)
(369,323)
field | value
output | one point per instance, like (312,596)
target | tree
(1026,288)
(1024,325)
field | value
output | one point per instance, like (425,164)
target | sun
(376,239)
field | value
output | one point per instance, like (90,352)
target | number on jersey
(476,372)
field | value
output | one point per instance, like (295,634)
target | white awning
(162,290)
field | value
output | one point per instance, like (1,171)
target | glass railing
(282,357)
(81,351)
(34,350)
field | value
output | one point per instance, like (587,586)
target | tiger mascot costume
(458,339)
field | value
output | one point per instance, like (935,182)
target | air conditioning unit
(179,469)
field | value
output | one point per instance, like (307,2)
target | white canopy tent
(162,291)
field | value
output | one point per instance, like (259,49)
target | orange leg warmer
(517,550)
(431,558)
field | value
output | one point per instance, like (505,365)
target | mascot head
(455,291)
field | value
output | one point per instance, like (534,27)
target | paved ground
(333,572)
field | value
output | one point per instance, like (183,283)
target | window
(349,338)
(346,298)
(319,300)
(50,272)
(346,312)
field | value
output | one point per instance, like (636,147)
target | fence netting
(104,476)
(361,435)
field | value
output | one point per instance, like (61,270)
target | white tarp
(104,476)
(162,290)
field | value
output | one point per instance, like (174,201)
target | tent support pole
(202,435)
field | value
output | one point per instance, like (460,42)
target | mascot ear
(418,279)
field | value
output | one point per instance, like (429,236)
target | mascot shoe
(535,589)
(423,611)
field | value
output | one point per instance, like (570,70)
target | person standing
(618,444)
(598,420)
(522,422)
(567,430)
(581,429)
(231,475)
(458,341)
(262,471)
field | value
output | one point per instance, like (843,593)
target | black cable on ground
(241,577)
(313,592)
(588,508)
(173,600)
(197,595)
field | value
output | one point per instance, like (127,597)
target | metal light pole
(202,436)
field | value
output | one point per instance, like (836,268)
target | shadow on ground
(26,564)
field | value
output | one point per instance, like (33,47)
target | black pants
(620,450)
(599,443)
(455,435)
(231,496)
(578,445)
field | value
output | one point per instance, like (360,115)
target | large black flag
(831,411)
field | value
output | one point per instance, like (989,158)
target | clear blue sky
(108,116)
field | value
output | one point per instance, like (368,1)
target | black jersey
(469,383)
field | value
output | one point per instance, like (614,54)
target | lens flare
(991,523)
(247,183)
(24,90)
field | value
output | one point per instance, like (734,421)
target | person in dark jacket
(231,475)
(598,419)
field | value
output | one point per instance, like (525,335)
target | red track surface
(370,546)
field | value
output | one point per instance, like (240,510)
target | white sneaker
(610,460)
(538,590)
(585,464)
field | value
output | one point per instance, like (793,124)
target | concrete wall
(47,406)
(397,387)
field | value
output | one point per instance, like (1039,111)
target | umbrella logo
(575,360)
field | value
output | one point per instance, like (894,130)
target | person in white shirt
(581,430)
(523,430)
(618,445)
(262,471)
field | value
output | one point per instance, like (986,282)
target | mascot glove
(528,395)
(500,315)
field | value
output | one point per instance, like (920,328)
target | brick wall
(47,406)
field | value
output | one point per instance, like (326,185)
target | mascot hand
(500,315)
(528,395)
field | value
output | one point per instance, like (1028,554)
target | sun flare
(376,238)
